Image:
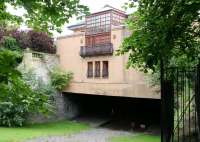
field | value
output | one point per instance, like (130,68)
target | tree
(42,15)
(34,40)
(166,30)
(41,42)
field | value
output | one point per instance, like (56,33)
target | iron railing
(180,104)
(97,50)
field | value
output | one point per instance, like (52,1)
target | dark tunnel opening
(121,112)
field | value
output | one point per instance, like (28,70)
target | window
(105,72)
(90,69)
(97,69)
(98,23)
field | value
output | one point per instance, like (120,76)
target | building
(90,54)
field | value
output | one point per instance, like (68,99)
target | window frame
(105,75)
(90,72)
(97,69)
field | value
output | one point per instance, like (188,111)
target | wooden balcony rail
(97,50)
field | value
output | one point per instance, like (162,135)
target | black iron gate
(180,96)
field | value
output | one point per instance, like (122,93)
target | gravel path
(93,135)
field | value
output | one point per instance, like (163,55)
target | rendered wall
(121,81)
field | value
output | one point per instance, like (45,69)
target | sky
(94,5)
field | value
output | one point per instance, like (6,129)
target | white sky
(94,5)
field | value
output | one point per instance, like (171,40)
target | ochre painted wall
(121,81)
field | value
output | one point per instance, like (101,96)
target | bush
(11,115)
(9,60)
(22,38)
(10,43)
(17,98)
(2,33)
(41,42)
(37,84)
(36,41)
(60,79)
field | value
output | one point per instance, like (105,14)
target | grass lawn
(36,130)
(137,138)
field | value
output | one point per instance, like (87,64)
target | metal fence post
(197,95)
(162,99)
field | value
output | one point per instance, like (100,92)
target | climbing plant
(60,79)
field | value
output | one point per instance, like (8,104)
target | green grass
(137,138)
(36,130)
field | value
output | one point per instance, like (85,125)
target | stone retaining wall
(42,64)
(65,108)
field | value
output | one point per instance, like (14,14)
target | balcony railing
(97,50)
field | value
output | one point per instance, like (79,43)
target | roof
(107,8)
(77,25)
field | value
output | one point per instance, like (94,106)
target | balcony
(97,50)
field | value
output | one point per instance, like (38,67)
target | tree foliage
(9,60)
(42,15)
(34,40)
(41,42)
(167,30)
(60,79)
(6,17)
(17,98)
(10,43)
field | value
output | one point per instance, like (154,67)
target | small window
(105,72)
(90,70)
(97,69)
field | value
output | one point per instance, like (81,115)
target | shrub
(60,79)
(17,98)
(10,43)
(2,33)
(41,42)
(36,41)
(11,115)
(9,60)
(22,38)
(36,83)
